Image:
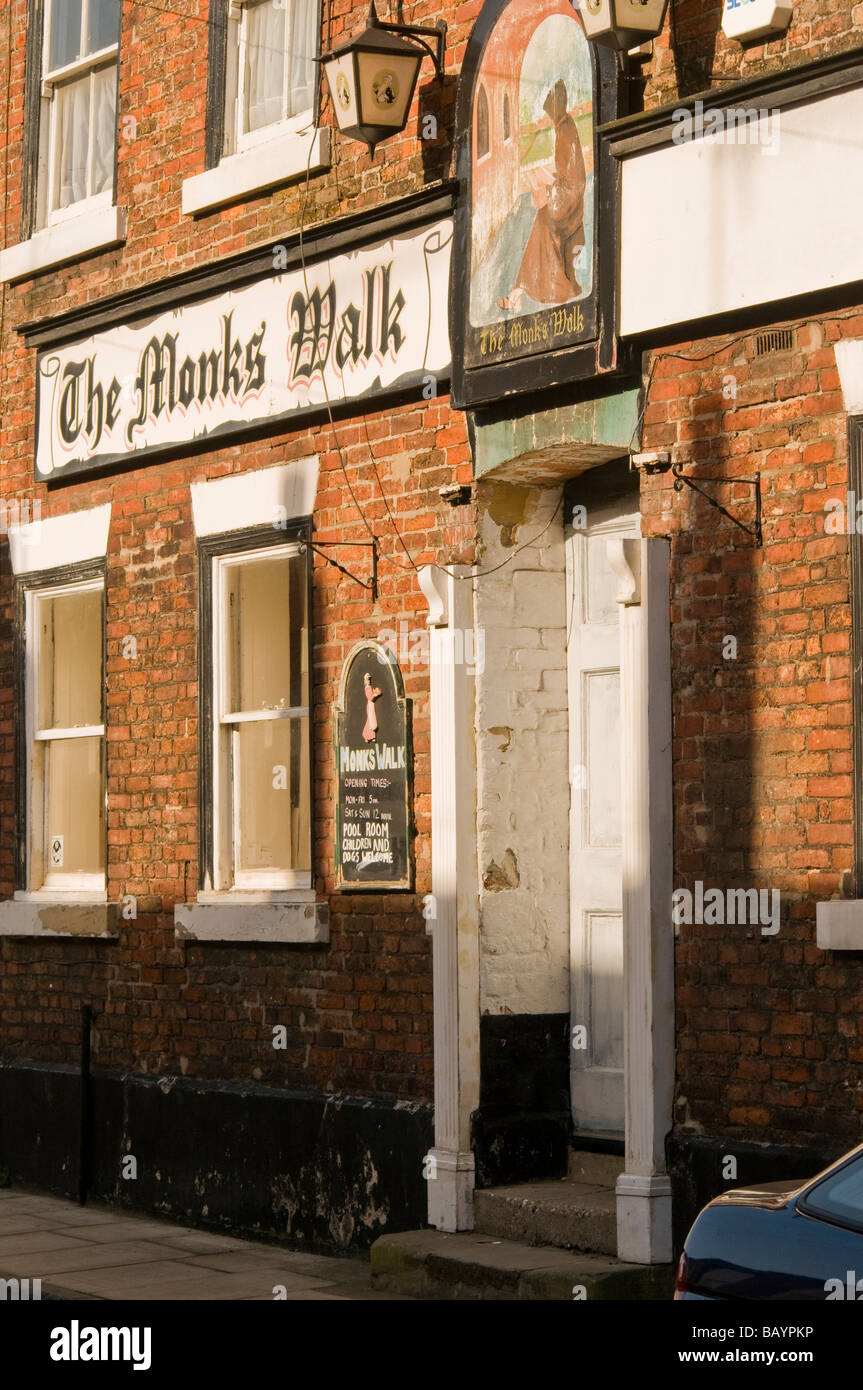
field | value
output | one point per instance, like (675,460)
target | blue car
(780,1240)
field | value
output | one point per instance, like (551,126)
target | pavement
(99,1252)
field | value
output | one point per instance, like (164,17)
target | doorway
(602,505)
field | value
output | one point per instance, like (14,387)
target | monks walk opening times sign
(374,774)
(358,324)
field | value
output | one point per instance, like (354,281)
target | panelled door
(596,908)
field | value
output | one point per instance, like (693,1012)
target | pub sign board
(535,232)
(358,324)
(374,774)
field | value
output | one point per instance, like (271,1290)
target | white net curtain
(85,136)
(81,33)
(280,42)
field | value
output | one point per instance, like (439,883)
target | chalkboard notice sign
(374,774)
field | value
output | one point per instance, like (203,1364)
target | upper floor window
(270,70)
(78,125)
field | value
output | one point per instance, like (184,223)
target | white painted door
(596,917)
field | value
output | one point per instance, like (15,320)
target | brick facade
(768,1037)
(693,54)
(358,1011)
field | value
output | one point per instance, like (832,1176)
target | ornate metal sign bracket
(751,528)
(320,547)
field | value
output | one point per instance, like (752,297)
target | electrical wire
(333,430)
(4,287)
(475,574)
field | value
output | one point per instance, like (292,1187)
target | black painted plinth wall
(521,1130)
(696,1163)
(329,1172)
(319,1172)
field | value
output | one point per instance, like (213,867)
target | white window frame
(49,215)
(81,886)
(225,723)
(235,140)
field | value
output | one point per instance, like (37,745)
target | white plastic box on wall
(839,925)
(745,20)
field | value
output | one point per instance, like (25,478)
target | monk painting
(372,693)
(547,273)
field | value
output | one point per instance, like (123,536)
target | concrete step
(566,1214)
(598,1168)
(433,1265)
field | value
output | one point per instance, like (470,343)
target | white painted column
(644,1189)
(454,921)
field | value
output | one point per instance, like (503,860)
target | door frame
(608,518)
(643,569)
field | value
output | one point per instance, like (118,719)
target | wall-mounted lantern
(372,77)
(622,24)
(746,20)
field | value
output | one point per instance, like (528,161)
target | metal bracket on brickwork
(752,528)
(320,548)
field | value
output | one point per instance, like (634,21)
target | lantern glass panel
(386,84)
(343,89)
(643,16)
(622,24)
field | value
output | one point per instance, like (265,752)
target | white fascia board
(261,498)
(71,539)
(704,220)
(252,171)
(65,241)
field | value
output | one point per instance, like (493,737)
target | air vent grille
(777,340)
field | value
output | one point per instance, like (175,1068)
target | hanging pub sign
(536,231)
(358,324)
(374,773)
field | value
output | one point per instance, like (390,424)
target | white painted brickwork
(522,756)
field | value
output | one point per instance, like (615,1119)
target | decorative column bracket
(454,899)
(751,528)
(644,1189)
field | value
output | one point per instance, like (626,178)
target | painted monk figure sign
(547,272)
(371,693)
(532,208)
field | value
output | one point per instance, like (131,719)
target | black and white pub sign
(374,774)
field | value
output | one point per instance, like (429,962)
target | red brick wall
(693,54)
(769,1034)
(762,747)
(358,1011)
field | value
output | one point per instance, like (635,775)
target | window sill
(839,925)
(64,241)
(257,897)
(253,171)
(41,914)
(252,917)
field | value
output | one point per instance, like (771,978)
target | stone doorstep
(561,1212)
(433,1265)
(600,1168)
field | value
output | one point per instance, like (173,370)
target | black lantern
(372,77)
(622,24)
